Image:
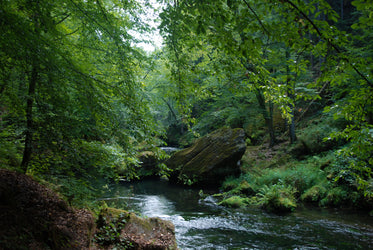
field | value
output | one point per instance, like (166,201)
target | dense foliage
(294,58)
(79,99)
(71,98)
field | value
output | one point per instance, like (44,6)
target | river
(201,224)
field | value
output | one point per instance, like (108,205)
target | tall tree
(250,30)
(76,64)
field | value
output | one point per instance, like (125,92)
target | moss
(277,198)
(246,188)
(314,194)
(234,202)
(121,229)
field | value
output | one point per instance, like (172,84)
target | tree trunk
(29,120)
(270,126)
(290,92)
(268,116)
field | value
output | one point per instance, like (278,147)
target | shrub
(230,183)
(335,197)
(109,230)
(312,140)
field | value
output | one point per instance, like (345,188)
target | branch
(328,41)
(63,19)
(257,17)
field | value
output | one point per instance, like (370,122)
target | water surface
(201,224)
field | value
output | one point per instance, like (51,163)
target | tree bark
(290,92)
(268,116)
(29,119)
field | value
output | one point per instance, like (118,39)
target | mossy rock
(210,159)
(278,199)
(234,202)
(246,188)
(139,233)
(280,205)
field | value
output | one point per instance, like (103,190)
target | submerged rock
(210,159)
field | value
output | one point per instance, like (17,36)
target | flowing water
(201,224)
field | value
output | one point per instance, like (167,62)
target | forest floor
(34,217)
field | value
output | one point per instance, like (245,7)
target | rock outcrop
(137,232)
(210,159)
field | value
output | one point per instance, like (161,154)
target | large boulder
(119,228)
(210,159)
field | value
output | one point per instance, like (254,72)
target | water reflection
(155,205)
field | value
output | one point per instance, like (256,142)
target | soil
(32,216)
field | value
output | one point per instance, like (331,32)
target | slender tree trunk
(290,92)
(268,116)
(271,128)
(29,119)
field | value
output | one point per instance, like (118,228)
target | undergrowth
(279,189)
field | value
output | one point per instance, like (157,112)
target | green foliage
(300,177)
(316,138)
(70,91)
(277,198)
(316,180)
(230,183)
(109,231)
(288,57)
(234,202)
(315,194)
(336,197)
(11,147)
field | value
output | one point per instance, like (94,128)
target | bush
(335,197)
(10,147)
(109,230)
(231,183)
(245,188)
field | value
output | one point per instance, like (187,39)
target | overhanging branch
(329,41)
